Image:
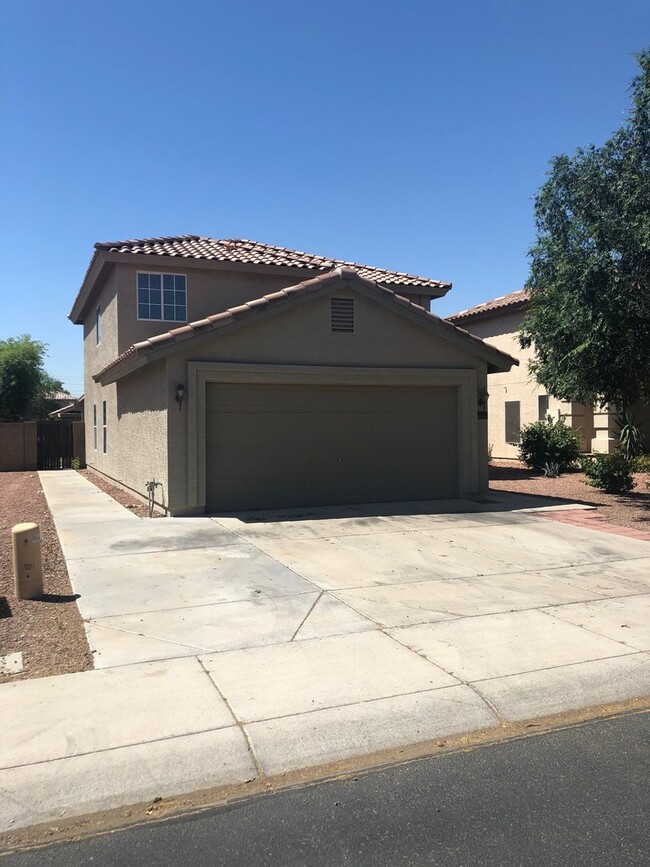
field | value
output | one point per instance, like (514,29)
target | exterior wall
(302,336)
(208,292)
(18,446)
(518,384)
(97,356)
(137,408)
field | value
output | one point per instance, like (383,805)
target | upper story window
(98,326)
(162,296)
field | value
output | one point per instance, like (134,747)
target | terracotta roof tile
(218,320)
(513,300)
(255,253)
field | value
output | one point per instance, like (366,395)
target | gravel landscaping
(120,495)
(628,510)
(48,632)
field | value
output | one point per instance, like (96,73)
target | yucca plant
(630,437)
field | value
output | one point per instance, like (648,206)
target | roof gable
(341,279)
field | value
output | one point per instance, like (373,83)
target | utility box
(28,568)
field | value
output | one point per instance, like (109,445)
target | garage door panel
(275,446)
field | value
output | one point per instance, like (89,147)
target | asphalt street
(576,796)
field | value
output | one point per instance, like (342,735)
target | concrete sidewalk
(240,647)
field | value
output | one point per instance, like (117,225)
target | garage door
(270,446)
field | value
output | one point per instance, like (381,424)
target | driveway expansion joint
(238,723)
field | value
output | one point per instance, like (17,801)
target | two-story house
(239,375)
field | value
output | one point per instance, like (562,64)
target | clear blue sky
(407,135)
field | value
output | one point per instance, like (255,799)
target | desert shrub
(549,442)
(611,473)
(641,464)
(630,437)
(551,470)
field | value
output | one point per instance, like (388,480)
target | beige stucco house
(239,375)
(516,398)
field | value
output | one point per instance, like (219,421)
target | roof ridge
(248,251)
(161,238)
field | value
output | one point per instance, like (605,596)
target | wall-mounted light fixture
(179,395)
(482,399)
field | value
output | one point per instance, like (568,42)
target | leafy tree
(24,383)
(589,285)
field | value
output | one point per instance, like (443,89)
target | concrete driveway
(246,646)
(447,579)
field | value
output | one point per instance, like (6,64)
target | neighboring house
(516,398)
(72,408)
(239,375)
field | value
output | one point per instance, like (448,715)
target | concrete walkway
(233,648)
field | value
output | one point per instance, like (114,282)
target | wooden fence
(41,445)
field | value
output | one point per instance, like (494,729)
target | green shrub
(611,473)
(549,443)
(641,464)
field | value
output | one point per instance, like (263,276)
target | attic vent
(342,314)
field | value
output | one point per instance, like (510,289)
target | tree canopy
(24,382)
(589,285)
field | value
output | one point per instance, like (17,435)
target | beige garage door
(270,446)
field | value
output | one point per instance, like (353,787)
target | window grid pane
(162,297)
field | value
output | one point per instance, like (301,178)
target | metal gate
(54,444)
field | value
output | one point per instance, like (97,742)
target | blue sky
(406,135)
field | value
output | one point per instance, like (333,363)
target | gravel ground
(49,632)
(628,510)
(120,495)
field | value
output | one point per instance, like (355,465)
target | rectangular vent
(342,314)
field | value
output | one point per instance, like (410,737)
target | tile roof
(59,395)
(255,253)
(235,314)
(512,301)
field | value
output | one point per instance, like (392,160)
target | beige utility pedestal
(28,569)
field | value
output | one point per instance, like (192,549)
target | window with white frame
(162,296)
(98,325)
(95,426)
(104,426)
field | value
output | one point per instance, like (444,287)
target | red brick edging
(593,520)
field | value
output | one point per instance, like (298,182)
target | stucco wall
(18,446)
(208,292)
(518,384)
(97,356)
(136,431)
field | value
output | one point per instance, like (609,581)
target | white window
(95,426)
(104,426)
(162,296)
(98,325)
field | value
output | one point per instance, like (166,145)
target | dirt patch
(48,632)
(120,495)
(627,510)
